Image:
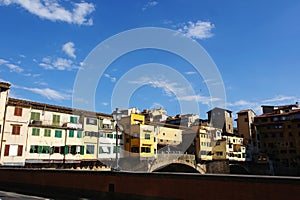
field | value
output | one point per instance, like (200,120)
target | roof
(216,108)
(5,85)
(245,111)
(278,114)
(53,108)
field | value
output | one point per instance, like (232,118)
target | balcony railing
(50,123)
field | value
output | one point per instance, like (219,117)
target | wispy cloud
(190,73)
(256,105)
(174,88)
(207,100)
(54,11)
(104,104)
(58,64)
(280,98)
(12,67)
(149,4)
(46,92)
(69,49)
(198,29)
(112,79)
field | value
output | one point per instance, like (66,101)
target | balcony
(50,123)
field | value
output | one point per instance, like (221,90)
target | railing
(55,124)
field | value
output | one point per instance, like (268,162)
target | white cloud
(12,67)
(197,30)
(46,92)
(104,103)
(207,100)
(112,79)
(2,61)
(168,87)
(280,98)
(58,64)
(69,49)
(149,4)
(190,73)
(52,10)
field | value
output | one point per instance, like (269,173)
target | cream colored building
(168,140)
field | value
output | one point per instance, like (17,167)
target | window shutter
(66,149)
(6,151)
(20,150)
(16,130)
(82,150)
(18,111)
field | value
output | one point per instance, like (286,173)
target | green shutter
(100,150)
(47,133)
(73,119)
(79,134)
(40,149)
(71,133)
(35,131)
(35,116)
(56,120)
(82,150)
(66,151)
(58,133)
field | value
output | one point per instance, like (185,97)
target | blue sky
(255,45)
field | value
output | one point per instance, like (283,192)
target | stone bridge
(164,160)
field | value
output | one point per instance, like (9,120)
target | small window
(47,132)
(35,131)
(16,130)
(73,119)
(90,149)
(114,150)
(147,136)
(79,134)
(18,111)
(56,120)
(35,116)
(92,121)
(58,133)
(71,133)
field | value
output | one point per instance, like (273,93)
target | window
(13,150)
(35,131)
(246,119)
(219,153)
(58,133)
(18,111)
(35,116)
(55,120)
(73,119)
(79,134)
(114,151)
(33,149)
(135,149)
(16,129)
(218,143)
(147,136)
(297,116)
(47,133)
(92,121)
(104,150)
(145,150)
(71,133)
(90,149)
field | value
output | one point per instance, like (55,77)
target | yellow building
(168,136)
(219,150)
(139,139)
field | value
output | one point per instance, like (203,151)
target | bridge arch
(176,167)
